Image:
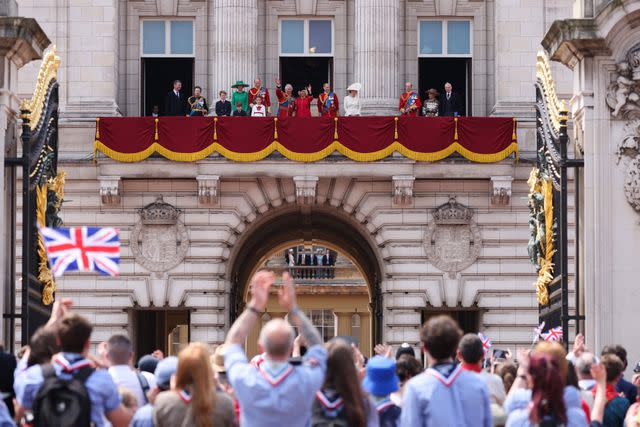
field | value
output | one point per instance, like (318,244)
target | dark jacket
(450,106)
(630,391)
(240,113)
(223,108)
(175,105)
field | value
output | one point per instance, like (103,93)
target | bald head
(276,339)
(583,365)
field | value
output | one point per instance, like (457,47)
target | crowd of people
(256,102)
(309,264)
(299,380)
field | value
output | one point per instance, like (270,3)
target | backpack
(62,403)
(144,385)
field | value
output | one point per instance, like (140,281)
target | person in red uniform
(286,101)
(409,101)
(328,103)
(303,103)
(259,90)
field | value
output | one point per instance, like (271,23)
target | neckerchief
(328,101)
(409,101)
(384,404)
(473,367)
(71,362)
(286,99)
(275,378)
(185,396)
(610,392)
(446,373)
(332,403)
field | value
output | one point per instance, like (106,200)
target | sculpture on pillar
(623,94)
(628,152)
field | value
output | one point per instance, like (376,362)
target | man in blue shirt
(74,333)
(165,369)
(276,392)
(445,394)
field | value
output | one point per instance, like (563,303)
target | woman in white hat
(352,102)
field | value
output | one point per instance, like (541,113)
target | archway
(292,224)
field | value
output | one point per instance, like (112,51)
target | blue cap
(148,363)
(381,378)
(165,369)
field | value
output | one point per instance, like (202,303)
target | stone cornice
(570,40)
(22,39)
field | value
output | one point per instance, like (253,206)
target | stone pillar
(365,334)
(236,43)
(344,324)
(376,44)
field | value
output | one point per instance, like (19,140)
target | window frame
(167,39)
(306,36)
(445,42)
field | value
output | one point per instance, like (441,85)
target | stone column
(344,324)
(235,43)
(376,45)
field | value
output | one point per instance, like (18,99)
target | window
(167,37)
(324,321)
(306,37)
(356,327)
(445,38)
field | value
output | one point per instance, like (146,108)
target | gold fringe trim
(275,146)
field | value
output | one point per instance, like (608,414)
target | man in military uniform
(260,91)
(409,101)
(328,104)
(286,101)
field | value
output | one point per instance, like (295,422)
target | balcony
(360,139)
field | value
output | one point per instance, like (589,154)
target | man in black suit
(450,104)
(175,103)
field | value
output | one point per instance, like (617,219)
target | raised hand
(287,294)
(578,345)
(260,285)
(60,308)
(278,82)
(384,350)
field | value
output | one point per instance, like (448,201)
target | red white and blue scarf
(331,406)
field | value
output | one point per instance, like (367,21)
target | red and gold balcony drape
(363,139)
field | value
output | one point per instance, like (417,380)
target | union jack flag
(486,342)
(82,249)
(553,334)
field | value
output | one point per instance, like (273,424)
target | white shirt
(351,105)
(124,376)
(258,110)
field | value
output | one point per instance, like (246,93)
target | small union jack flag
(553,334)
(82,249)
(486,342)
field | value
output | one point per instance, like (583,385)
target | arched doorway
(302,225)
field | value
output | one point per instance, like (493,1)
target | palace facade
(417,239)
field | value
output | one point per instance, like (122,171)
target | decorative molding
(623,93)
(159,241)
(167,7)
(110,190)
(628,152)
(501,194)
(403,189)
(446,7)
(208,188)
(305,189)
(306,7)
(452,240)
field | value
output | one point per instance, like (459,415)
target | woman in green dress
(240,95)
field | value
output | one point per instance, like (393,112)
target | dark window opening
(435,72)
(468,319)
(302,71)
(158,75)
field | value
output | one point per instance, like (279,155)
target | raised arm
(260,285)
(287,299)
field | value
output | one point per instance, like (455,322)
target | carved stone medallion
(623,93)
(452,240)
(159,241)
(628,153)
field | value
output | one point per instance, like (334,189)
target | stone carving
(623,94)
(110,190)
(628,152)
(501,194)
(452,240)
(159,241)
(305,189)
(403,189)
